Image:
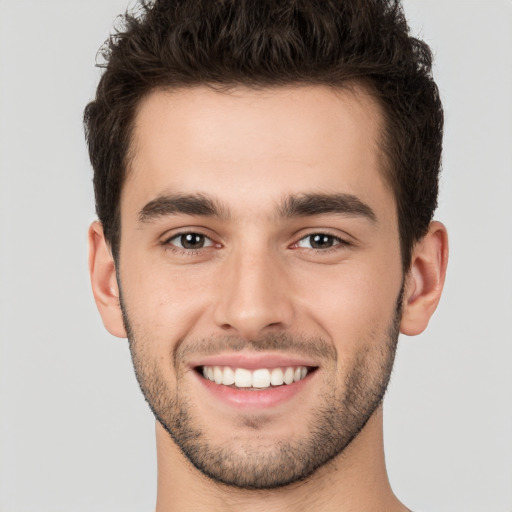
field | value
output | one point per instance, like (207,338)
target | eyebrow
(185,204)
(302,205)
(305,205)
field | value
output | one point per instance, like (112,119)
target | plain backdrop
(75,433)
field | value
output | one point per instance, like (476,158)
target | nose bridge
(255,296)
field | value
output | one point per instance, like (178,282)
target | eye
(319,241)
(190,241)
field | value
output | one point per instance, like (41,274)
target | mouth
(254,381)
(257,379)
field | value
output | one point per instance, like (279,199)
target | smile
(260,378)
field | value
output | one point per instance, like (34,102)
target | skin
(258,277)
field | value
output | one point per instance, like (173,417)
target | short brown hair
(269,43)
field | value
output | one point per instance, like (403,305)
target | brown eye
(319,241)
(190,241)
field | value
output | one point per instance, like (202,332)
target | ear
(103,280)
(425,280)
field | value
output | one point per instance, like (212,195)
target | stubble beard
(342,413)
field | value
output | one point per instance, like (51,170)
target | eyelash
(167,243)
(336,243)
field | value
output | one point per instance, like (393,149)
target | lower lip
(254,399)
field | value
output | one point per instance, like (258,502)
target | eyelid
(341,237)
(336,239)
(339,240)
(167,238)
(209,241)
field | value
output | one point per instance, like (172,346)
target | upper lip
(253,361)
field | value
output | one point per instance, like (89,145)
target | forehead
(262,143)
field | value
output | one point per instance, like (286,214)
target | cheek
(163,302)
(354,306)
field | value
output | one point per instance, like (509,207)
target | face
(260,275)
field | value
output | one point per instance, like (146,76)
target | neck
(354,481)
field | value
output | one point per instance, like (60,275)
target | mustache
(314,347)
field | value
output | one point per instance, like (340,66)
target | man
(265,177)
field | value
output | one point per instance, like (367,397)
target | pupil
(321,241)
(192,241)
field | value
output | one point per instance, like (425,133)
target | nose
(255,296)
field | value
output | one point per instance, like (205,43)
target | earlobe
(425,280)
(103,280)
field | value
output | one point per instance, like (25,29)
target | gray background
(75,434)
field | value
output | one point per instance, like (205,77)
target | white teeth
(288,375)
(217,375)
(243,378)
(260,378)
(229,376)
(276,377)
